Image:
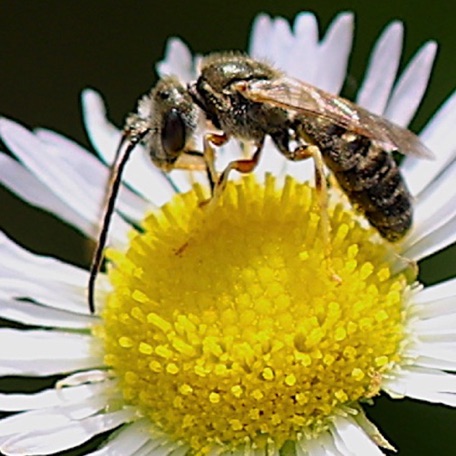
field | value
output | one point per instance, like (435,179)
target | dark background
(51,50)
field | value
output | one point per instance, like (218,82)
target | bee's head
(173,119)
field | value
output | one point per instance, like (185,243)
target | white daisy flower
(241,342)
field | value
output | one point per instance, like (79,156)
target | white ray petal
(437,240)
(42,368)
(280,42)
(303,57)
(434,348)
(45,419)
(29,188)
(29,313)
(436,324)
(55,397)
(91,174)
(177,61)
(424,384)
(436,300)
(139,174)
(434,293)
(43,162)
(64,437)
(411,87)
(18,259)
(148,449)
(351,439)
(41,352)
(272,161)
(48,293)
(323,445)
(382,69)
(47,344)
(260,36)
(162,450)
(431,211)
(334,51)
(439,136)
(127,440)
(434,363)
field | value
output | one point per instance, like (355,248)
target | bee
(249,100)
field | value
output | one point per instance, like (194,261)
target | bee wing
(295,95)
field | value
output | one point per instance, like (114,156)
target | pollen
(226,326)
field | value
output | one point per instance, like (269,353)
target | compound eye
(173,132)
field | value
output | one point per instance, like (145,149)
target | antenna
(120,160)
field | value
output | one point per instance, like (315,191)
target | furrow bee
(248,100)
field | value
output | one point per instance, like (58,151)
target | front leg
(244,166)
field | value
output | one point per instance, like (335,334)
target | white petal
(24,184)
(29,313)
(431,210)
(423,384)
(435,241)
(46,292)
(439,136)
(303,56)
(381,73)
(351,439)
(436,324)
(164,448)
(411,87)
(45,352)
(436,300)
(23,262)
(140,174)
(281,43)
(64,437)
(44,279)
(55,397)
(434,363)
(128,440)
(272,161)
(334,52)
(89,173)
(259,37)
(44,163)
(24,345)
(45,419)
(177,61)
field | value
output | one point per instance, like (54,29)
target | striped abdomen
(367,174)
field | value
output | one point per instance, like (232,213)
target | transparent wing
(292,94)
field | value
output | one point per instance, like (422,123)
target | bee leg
(311,151)
(212,139)
(244,166)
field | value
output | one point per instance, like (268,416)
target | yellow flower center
(226,326)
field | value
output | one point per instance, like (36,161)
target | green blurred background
(50,50)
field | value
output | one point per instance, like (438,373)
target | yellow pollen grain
(214,398)
(237,390)
(226,328)
(268,373)
(172,368)
(357,374)
(290,380)
(125,342)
